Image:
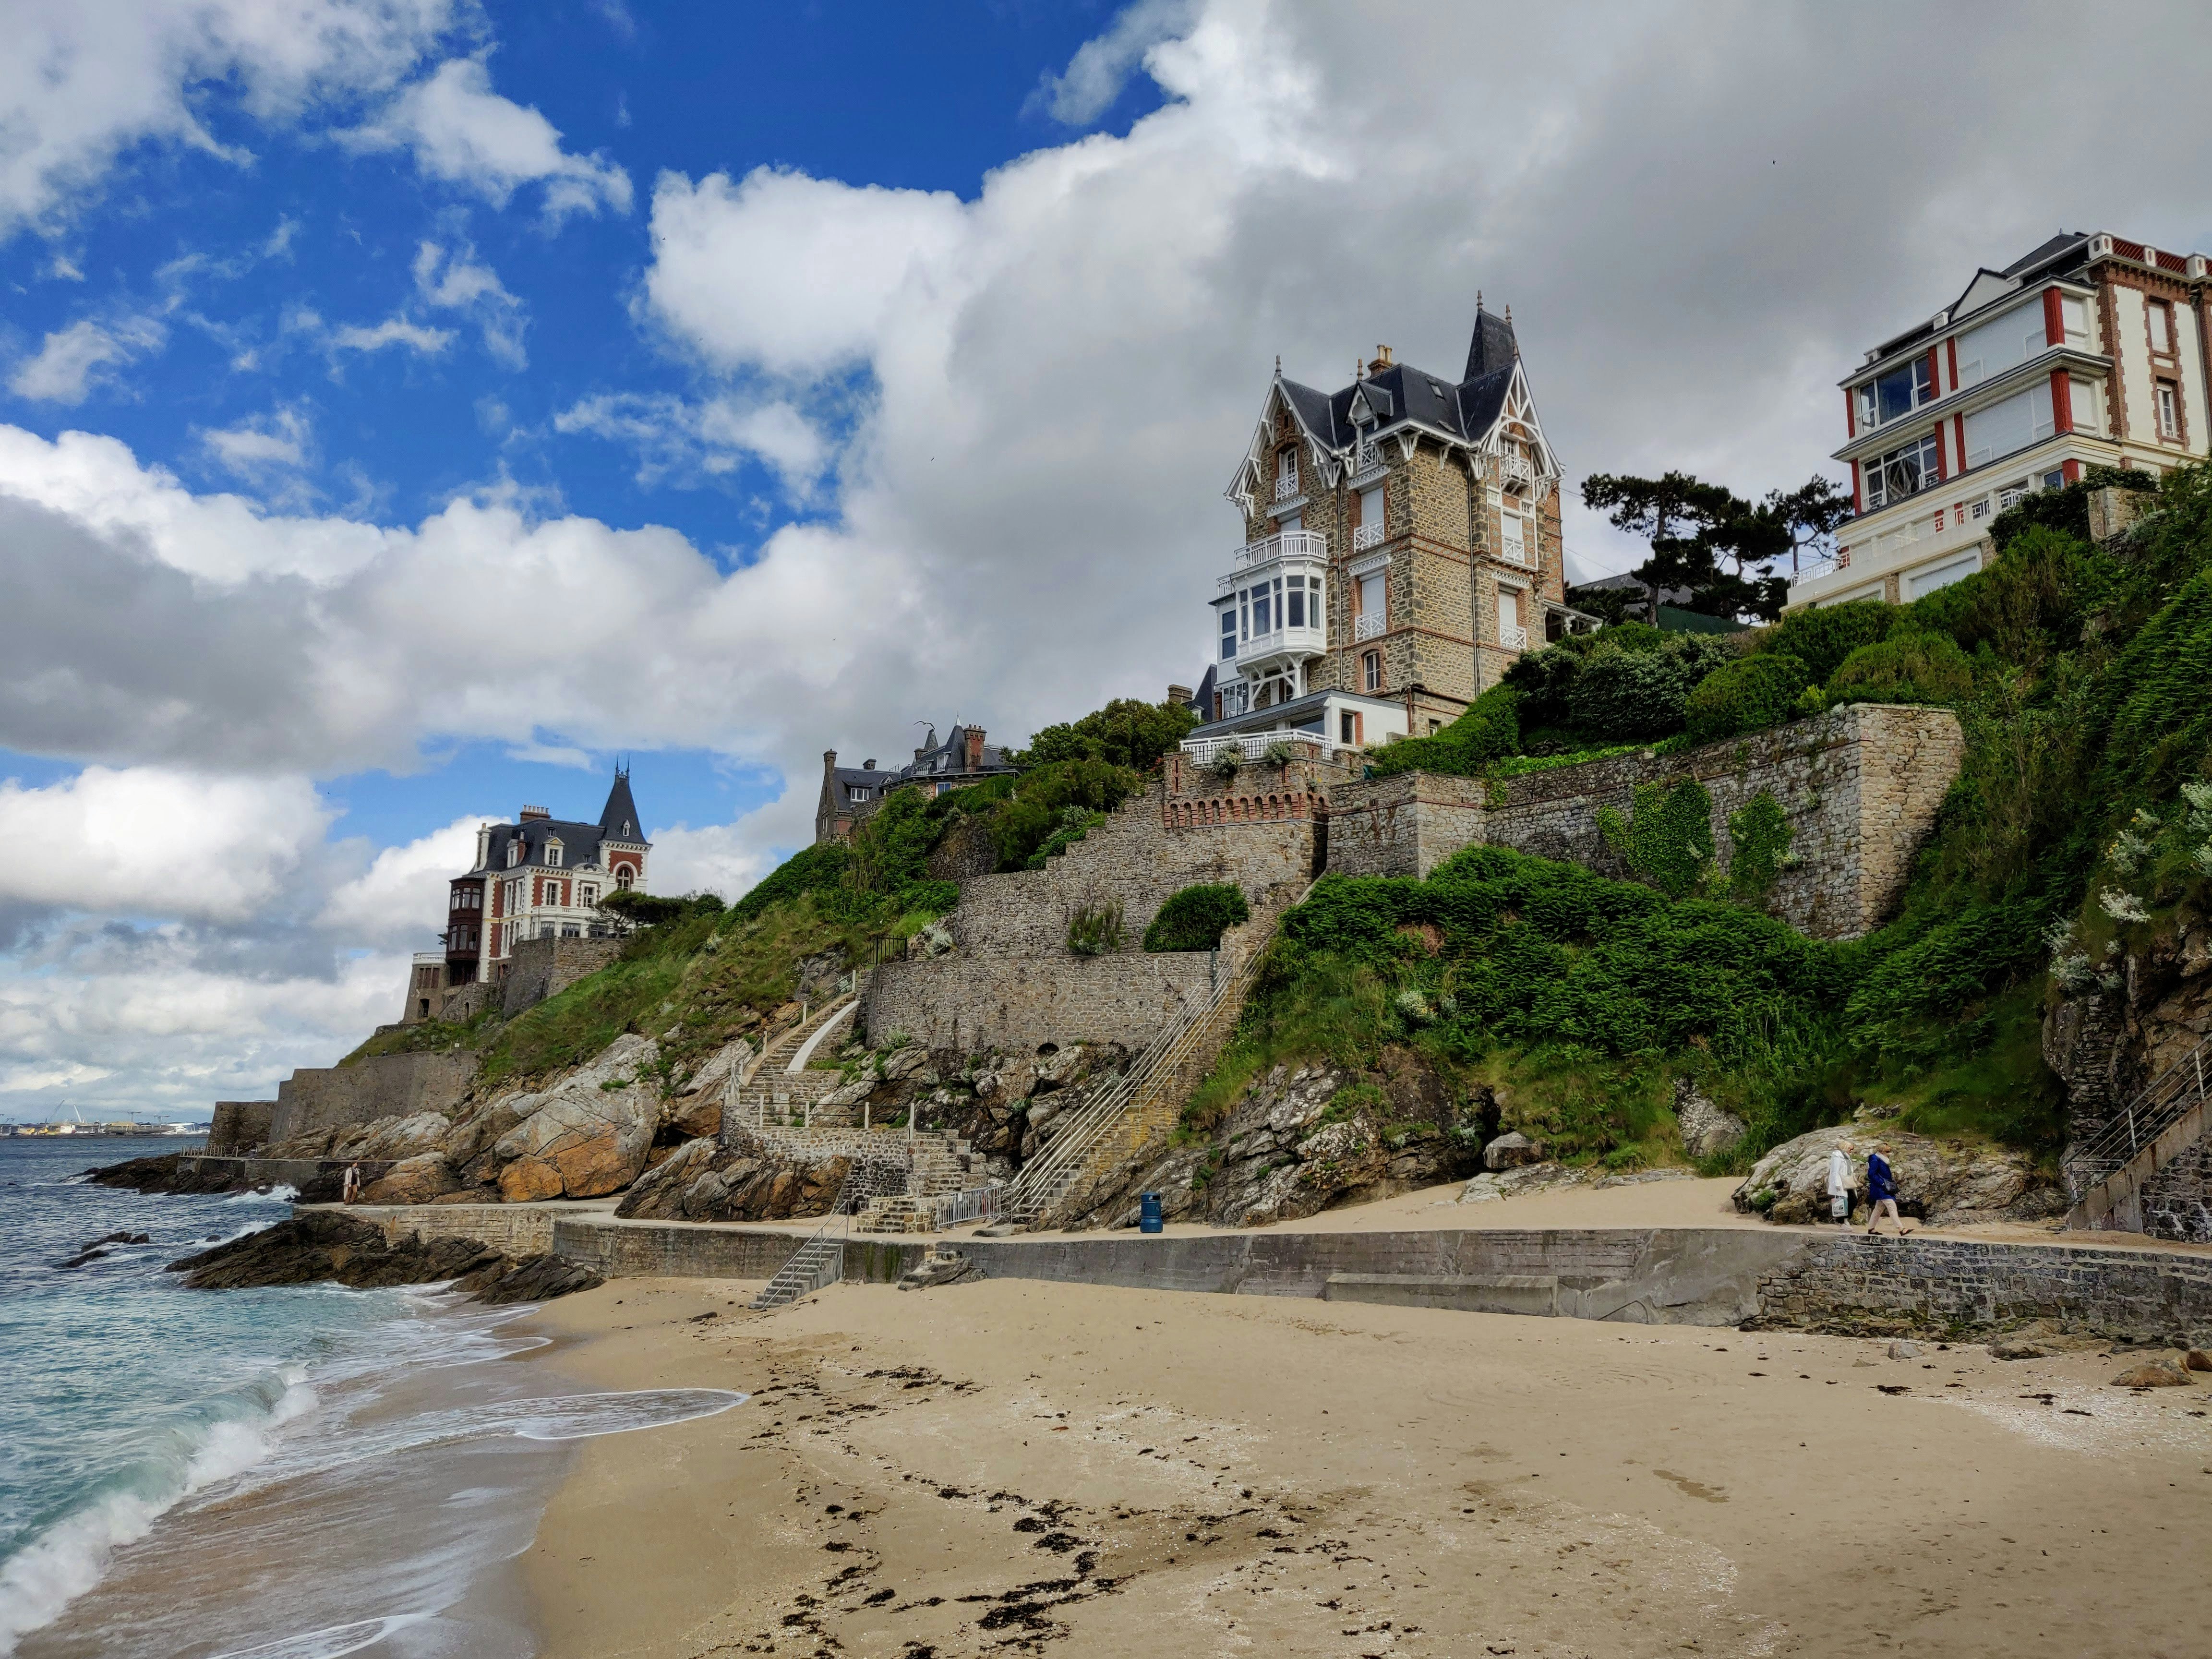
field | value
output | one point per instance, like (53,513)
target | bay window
(1901,391)
(1909,469)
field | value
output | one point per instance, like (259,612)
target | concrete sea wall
(1707,1276)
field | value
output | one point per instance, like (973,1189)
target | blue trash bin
(1148,1212)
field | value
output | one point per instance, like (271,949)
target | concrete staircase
(2165,1120)
(781,1087)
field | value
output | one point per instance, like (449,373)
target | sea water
(292,1472)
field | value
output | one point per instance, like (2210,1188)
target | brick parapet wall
(1859,785)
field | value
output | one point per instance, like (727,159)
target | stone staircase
(1148,1102)
(2165,1120)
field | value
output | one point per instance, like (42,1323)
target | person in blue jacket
(1882,1190)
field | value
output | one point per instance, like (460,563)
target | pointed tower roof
(1492,348)
(619,822)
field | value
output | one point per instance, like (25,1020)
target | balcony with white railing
(1512,636)
(1286,486)
(1367,536)
(1369,625)
(1254,747)
(1270,550)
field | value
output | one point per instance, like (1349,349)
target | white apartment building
(2090,350)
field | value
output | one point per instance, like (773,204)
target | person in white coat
(1839,1189)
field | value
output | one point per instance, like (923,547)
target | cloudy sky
(406,405)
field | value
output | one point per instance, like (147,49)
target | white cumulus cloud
(158,841)
(687,439)
(400,899)
(79,80)
(72,361)
(461,131)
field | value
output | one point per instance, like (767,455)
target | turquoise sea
(292,1473)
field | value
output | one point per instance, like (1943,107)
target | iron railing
(2168,1097)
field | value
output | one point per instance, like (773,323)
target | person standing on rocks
(1839,1187)
(350,1189)
(1882,1190)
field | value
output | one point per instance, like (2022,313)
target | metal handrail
(1046,1179)
(2162,1102)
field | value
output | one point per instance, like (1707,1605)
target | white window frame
(1370,671)
(552,854)
(2165,400)
(1875,470)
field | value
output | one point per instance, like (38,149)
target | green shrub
(1746,696)
(1669,842)
(1037,809)
(1489,730)
(1925,668)
(1195,918)
(1620,693)
(1822,638)
(1075,823)
(1125,733)
(1094,930)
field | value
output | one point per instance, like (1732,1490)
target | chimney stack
(974,748)
(1381,360)
(869,765)
(531,813)
(1178,695)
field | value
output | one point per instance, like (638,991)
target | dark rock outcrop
(319,1246)
(706,1181)
(159,1175)
(1304,1141)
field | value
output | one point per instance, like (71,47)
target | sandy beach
(1006,1466)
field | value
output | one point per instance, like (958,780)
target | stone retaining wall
(384,1086)
(521,1230)
(541,968)
(1860,785)
(974,1003)
(1137,860)
(240,1125)
(1942,1287)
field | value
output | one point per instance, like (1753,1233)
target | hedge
(1195,918)
(1753,692)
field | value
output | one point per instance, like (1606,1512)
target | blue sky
(408,406)
(223,258)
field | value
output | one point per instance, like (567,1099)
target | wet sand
(1009,1466)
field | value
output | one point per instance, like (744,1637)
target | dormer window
(553,854)
(514,853)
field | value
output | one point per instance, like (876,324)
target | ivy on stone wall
(1669,842)
(1759,847)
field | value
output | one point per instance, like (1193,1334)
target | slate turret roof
(1464,407)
